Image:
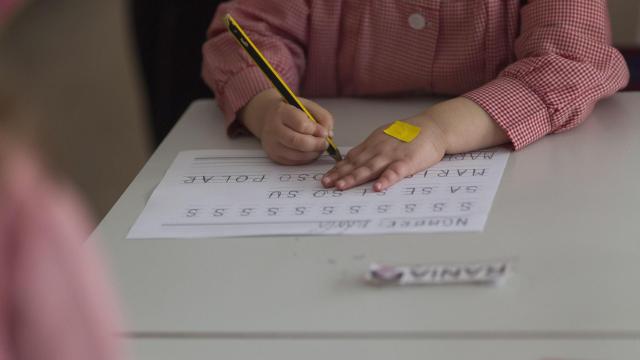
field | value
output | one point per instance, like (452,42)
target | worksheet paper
(215,193)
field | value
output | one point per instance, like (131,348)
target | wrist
(443,136)
(252,115)
(465,126)
(437,130)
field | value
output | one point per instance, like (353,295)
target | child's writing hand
(288,136)
(388,159)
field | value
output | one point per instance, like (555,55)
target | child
(519,71)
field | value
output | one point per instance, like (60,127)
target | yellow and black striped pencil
(273,76)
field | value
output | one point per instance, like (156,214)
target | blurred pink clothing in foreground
(54,304)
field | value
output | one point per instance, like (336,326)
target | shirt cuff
(237,92)
(516,108)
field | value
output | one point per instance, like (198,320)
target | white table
(568,211)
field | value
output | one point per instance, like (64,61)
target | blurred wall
(69,63)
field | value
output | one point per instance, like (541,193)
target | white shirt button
(417,21)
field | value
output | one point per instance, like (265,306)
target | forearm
(565,64)
(277,28)
(464,125)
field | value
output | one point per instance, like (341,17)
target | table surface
(567,211)
(383,349)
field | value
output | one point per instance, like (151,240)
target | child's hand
(288,136)
(453,126)
(388,159)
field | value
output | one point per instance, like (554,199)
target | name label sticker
(489,272)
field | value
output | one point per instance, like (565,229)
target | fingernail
(340,184)
(377,186)
(331,132)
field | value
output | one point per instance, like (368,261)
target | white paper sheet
(215,193)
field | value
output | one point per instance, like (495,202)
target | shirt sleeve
(565,65)
(278,29)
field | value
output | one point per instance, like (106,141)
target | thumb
(322,115)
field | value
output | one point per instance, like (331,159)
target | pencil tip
(334,153)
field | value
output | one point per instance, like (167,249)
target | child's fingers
(297,121)
(354,153)
(322,115)
(360,175)
(300,142)
(395,172)
(344,167)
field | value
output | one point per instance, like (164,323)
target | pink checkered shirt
(536,69)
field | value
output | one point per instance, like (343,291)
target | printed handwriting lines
(224,165)
(312,221)
(241,160)
(229,157)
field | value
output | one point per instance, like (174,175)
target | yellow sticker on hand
(402,131)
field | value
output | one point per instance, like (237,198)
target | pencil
(273,76)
